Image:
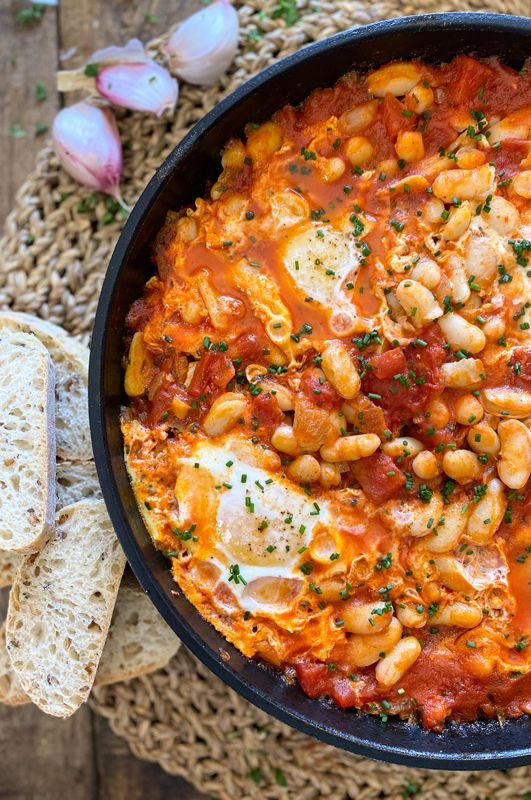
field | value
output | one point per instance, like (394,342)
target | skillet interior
(182,177)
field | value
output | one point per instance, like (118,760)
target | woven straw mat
(56,247)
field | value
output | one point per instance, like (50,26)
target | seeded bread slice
(60,608)
(27,443)
(139,640)
(9,563)
(70,359)
(11,692)
(76,480)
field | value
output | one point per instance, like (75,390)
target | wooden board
(28,56)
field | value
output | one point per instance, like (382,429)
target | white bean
(339,369)
(410,146)
(459,615)
(468,410)
(420,98)
(514,126)
(330,475)
(507,402)
(396,79)
(464,374)
(487,515)
(425,465)
(351,448)
(483,438)
(514,465)
(503,216)
(451,573)
(462,334)
(427,517)
(409,616)
(461,465)
(438,412)
(365,618)
(460,287)
(284,439)
(393,667)
(450,531)
(522,184)
(427,272)
(480,260)
(304,469)
(138,364)
(457,223)
(366,649)
(358,150)
(418,302)
(403,447)
(359,117)
(465,184)
(224,413)
(433,209)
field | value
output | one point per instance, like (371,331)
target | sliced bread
(27,443)
(11,692)
(75,481)
(9,563)
(60,608)
(139,640)
(70,359)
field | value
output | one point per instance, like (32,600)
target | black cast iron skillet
(182,177)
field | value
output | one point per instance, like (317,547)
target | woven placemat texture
(53,256)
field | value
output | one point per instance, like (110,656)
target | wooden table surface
(44,758)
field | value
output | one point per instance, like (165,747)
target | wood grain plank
(28,54)
(88,26)
(121,775)
(42,757)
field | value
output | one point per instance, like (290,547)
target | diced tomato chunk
(266,410)
(213,372)
(507,158)
(450,434)
(468,76)
(394,118)
(140,312)
(342,692)
(312,677)
(406,392)
(161,402)
(439,129)
(388,364)
(247,347)
(378,476)
(320,394)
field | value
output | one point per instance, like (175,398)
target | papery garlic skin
(133,53)
(141,87)
(87,143)
(203,47)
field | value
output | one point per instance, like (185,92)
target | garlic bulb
(203,47)
(87,143)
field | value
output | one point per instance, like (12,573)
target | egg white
(251,516)
(310,253)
